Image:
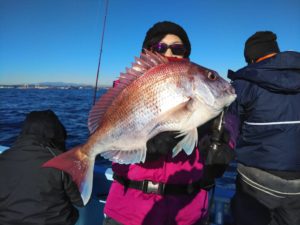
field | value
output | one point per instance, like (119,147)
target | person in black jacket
(30,194)
(268,146)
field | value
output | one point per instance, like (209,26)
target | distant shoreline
(60,87)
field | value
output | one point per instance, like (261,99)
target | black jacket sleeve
(161,144)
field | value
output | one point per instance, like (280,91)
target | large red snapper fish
(154,95)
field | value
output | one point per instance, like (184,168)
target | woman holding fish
(167,188)
(147,125)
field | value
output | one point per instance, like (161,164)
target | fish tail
(79,166)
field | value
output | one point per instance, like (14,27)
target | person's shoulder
(289,55)
(284,60)
(241,73)
(239,85)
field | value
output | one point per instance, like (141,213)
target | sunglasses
(177,49)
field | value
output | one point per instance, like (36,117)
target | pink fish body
(154,95)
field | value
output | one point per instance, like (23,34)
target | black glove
(214,148)
(223,154)
(217,160)
(161,144)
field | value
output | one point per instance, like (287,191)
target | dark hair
(159,30)
(260,44)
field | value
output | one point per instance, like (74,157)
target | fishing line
(100,54)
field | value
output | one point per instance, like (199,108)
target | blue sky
(59,40)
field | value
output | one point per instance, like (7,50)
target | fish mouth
(229,90)
(233,97)
(224,101)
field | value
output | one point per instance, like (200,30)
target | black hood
(45,126)
(280,73)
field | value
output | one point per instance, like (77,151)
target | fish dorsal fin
(146,61)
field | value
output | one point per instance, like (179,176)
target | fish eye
(212,76)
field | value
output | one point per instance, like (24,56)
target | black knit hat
(260,44)
(159,30)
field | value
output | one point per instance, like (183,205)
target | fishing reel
(217,130)
(218,153)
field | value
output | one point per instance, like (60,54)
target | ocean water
(71,106)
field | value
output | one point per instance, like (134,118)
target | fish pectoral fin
(126,157)
(177,115)
(181,112)
(188,143)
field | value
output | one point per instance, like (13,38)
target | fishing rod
(217,130)
(100,54)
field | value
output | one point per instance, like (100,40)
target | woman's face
(174,45)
